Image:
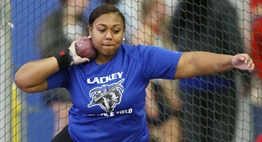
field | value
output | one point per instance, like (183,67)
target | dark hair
(111,1)
(104,9)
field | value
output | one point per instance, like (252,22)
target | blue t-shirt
(108,100)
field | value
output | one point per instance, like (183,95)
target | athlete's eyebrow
(105,25)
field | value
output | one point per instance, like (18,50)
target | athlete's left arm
(203,63)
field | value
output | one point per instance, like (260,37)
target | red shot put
(85,48)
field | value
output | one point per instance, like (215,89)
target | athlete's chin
(110,49)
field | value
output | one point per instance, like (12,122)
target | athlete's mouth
(108,44)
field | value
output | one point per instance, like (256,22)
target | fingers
(73,43)
(77,59)
(251,66)
(244,62)
(247,60)
(72,47)
(85,59)
(244,57)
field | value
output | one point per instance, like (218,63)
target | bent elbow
(28,85)
(20,82)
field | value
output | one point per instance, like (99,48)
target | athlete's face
(107,34)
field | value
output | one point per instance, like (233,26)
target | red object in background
(259,138)
(254,3)
(256,44)
(85,49)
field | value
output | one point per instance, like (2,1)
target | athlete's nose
(109,35)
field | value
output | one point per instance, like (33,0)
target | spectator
(56,33)
(209,102)
(162,100)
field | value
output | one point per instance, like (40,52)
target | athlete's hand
(243,62)
(77,59)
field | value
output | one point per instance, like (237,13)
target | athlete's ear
(90,31)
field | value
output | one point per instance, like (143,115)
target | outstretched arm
(203,63)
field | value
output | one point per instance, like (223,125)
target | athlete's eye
(101,30)
(116,31)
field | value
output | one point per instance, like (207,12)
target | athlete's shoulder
(137,48)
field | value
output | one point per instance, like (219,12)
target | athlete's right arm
(31,77)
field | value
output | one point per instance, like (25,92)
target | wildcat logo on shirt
(107,96)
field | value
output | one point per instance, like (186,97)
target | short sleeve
(57,80)
(159,62)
